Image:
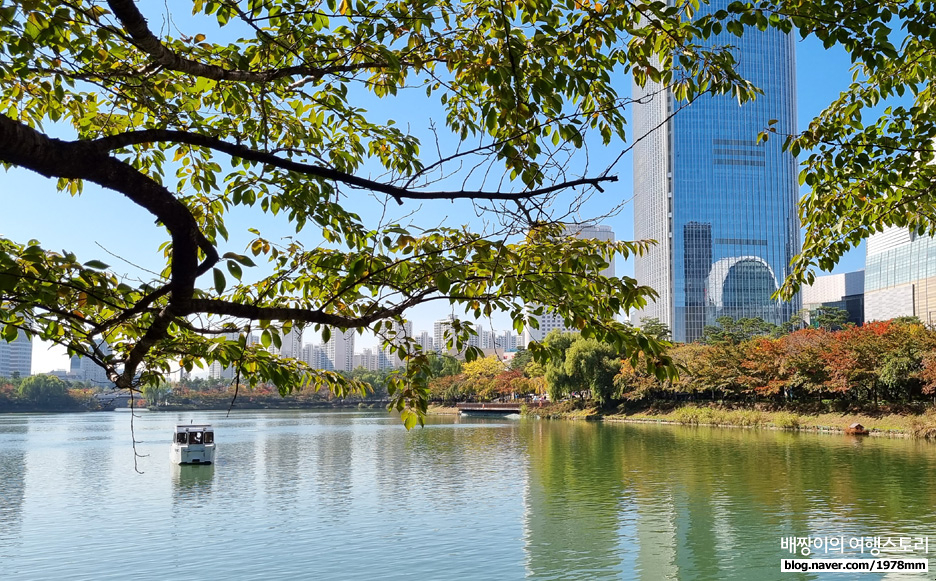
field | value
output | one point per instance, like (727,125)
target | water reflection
(710,504)
(356,495)
(12,481)
(572,515)
(90,457)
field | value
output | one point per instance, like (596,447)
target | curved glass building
(721,206)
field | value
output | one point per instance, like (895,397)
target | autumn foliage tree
(880,362)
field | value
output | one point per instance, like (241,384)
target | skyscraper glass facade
(721,206)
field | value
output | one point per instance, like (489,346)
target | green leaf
(96,264)
(219,282)
(409,418)
(240,258)
(442,282)
(234,269)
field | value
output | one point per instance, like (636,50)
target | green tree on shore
(43,390)
(593,366)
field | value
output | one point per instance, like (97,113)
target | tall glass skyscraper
(721,206)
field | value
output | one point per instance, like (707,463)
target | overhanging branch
(136,26)
(187,138)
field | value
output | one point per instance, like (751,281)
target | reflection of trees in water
(12,480)
(703,503)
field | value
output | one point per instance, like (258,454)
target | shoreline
(879,424)
(810,429)
(882,423)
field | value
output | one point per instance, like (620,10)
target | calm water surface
(306,495)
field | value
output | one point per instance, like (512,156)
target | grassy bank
(882,422)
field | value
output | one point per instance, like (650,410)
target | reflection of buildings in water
(573,516)
(93,464)
(725,531)
(656,536)
(645,504)
(333,472)
(695,551)
(12,481)
(282,463)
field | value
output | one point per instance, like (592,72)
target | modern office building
(16,356)
(550,321)
(843,291)
(85,369)
(721,206)
(900,276)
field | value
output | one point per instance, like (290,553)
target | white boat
(193,444)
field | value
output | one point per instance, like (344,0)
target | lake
(352,495)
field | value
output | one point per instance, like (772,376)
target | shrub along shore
(892,422)
(897,422)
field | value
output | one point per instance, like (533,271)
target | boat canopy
(194,434)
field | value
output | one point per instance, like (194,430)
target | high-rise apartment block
(314,356)
(506,341)
(425,341)
(218,371)
(291,344)
(720,204)
(339,350)
(550,321)
(16,356)
(438,333)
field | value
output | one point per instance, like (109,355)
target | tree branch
(135,24)
(397,193)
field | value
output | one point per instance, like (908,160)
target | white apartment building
(425,341)
(339,351)
(438,332)
(292,344)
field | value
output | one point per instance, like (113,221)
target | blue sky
(101,222)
